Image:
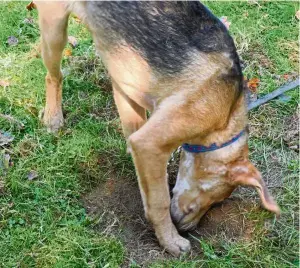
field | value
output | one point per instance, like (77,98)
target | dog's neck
(237,122)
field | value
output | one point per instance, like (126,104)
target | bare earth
(117,206)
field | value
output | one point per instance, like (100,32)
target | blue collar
(202,149)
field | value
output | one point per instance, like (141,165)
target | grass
(43,222)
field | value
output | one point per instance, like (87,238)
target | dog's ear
(243,172)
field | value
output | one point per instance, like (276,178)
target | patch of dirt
(116,207)
(119,211)
(291,128)
(225,219)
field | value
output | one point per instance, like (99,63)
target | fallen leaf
(253,84)
(72,41)
(4,83)
(286,76)
(225,22)
(297,15)
(5,138)
(12,41)
(68,52)
(32,175)
(31,6)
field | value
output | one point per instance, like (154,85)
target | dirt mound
(117,209)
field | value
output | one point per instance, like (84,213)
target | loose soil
(117,209)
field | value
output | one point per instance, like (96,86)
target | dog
(178,61)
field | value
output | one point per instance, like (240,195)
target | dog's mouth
(185,221)
(188,223)
(187,227)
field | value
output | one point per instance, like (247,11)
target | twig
(274,94)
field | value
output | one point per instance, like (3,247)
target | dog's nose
(192,208)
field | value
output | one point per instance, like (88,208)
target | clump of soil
(117,209)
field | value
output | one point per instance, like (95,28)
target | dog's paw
(175,244)
(52,120)
(178,246)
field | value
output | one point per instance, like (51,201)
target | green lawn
(43,222)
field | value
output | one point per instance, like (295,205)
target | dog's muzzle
(180,218)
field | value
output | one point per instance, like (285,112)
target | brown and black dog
(178,61)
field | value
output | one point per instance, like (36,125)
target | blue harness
(191,148)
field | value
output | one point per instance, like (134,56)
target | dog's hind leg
(53,21)
(132,115)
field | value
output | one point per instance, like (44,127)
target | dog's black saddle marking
(164,33)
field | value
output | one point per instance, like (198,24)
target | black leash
(274,94)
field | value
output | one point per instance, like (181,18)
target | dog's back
(164,33)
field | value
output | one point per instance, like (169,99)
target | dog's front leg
(151,147)
(53,20)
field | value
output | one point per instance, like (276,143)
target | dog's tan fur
(137,88)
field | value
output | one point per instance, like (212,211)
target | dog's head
(207,178)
